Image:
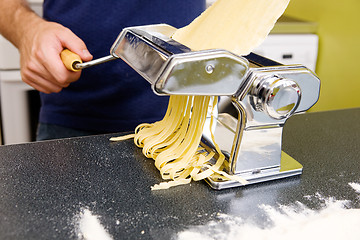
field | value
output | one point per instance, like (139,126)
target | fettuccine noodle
(174,142)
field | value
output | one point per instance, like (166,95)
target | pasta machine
(257,94)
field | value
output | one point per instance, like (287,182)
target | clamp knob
(278,97)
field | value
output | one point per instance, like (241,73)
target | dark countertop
(44,186)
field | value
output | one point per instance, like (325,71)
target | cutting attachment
(259,95)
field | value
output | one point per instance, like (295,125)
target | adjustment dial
(278,97)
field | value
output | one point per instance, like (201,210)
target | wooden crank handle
(70,59)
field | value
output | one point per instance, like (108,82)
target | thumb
(72,42)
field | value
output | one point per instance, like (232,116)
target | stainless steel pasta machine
(258,96)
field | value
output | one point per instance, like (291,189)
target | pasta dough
(235,25)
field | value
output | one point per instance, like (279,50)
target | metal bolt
(209,68)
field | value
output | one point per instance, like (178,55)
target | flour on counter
(333,221)
(88,227)
(355,186)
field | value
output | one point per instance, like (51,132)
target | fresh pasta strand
(180,159)
(122,138)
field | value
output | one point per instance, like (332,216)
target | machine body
(257,95)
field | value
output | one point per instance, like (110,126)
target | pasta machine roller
(258,96)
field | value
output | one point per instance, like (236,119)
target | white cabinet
(291,49)
(9,55)
(15,113)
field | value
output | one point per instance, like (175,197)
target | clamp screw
(209,68)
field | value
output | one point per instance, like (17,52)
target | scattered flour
(334,221)
(88,227)
(355,186)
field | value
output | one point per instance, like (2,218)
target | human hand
(40,48)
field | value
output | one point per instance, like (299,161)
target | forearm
(15,19)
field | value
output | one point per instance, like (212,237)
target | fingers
(49,55)
(70,41)
(38,73)
(41,65)
(40,83)
(53,68)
